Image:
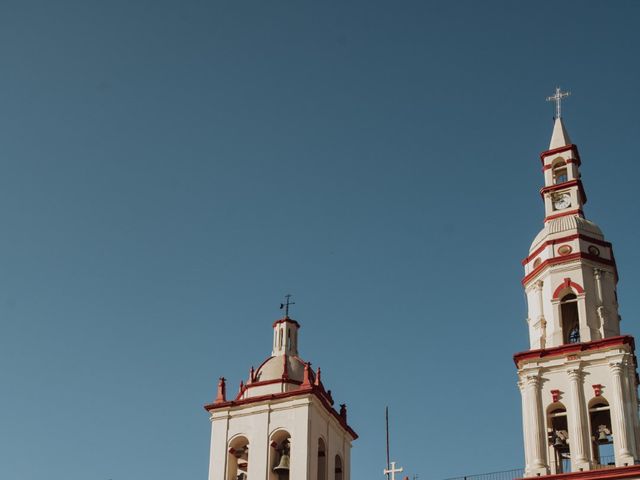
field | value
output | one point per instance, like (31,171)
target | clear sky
(171,169)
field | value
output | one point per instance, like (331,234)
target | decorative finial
(557,97)
(306,376)
(222,391)
(286,305)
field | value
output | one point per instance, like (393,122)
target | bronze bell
(283,465)
(602,437)
(558,441)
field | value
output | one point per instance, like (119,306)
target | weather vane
(557,97)
(286,305)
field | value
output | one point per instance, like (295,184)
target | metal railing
(503,475)
(605,462)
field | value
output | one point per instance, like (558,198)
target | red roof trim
(563,185)
(571,147)
(564,214)
(568,238)
(286,320)
(313,390)
(273,381)
(559,186)
(574,348)
(567,259)
(602,473)
(282,380)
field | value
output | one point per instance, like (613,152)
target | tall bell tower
(281,424)
(578,380)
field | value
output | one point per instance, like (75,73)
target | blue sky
(169,170)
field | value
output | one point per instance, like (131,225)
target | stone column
(618,416)
(586,330)
(556,328)
(525,425)
(535,433)
(597,274)
(633,411)
(628,386)
(578,425)
(541,320)
(600,310)
(218,451)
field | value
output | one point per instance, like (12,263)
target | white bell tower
(578,380)
(281,425)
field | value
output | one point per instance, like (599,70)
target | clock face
(562,201)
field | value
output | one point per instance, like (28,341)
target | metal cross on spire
(557,97)
(393,470)
(287,303)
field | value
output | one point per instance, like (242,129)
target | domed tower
(281,424)
(578,380)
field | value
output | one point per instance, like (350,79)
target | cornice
(286,320)
(573,148)
(574,348)
(566,238)
(304,390)
(568,259)
(565,185)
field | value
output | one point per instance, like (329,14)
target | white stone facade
(282,407)
(578,380)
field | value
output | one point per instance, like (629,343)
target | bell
(602,437)
(283,465)
(558,442)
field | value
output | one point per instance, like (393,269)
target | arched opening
(322,460)
(558,434)
(570,320)
(238,459)
(279,455)
(560,174)
(338,469)
(601,432)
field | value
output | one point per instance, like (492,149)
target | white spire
(559,137)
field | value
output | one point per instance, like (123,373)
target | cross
(286,305)
(557,97)
(393,470)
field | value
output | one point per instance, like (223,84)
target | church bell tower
(578,380)
(281,424)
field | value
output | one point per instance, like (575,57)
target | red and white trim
(308,390)
(566,259)
(567,284)
(573,148)
(573,348)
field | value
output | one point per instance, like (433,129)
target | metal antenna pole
(386,415)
